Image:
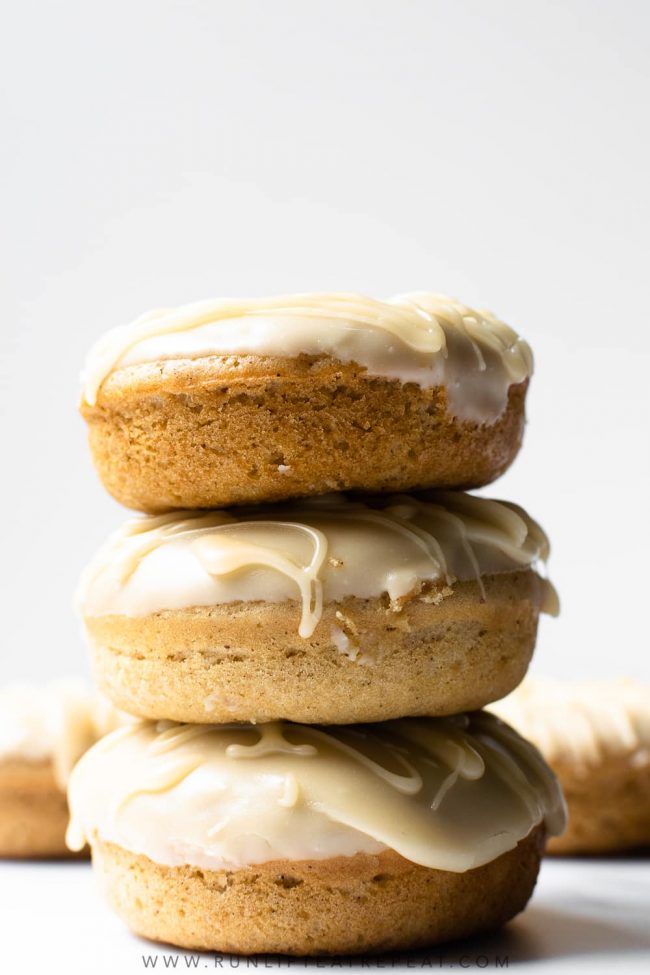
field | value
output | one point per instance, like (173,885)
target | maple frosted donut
(238,401)
(330,610)
(305,840)
(596,737)
(44,729)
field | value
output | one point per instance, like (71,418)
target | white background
(160,151)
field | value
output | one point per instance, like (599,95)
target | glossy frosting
(54,722)
(582,724)
(316,551)
(421,337)
(447,793)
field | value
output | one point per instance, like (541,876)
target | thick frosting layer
(447,793)
(421,337)
(582,724)
(54,722)
(318,551)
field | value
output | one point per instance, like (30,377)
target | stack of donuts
(308,619)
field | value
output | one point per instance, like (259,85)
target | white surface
(585,916)
(166,150)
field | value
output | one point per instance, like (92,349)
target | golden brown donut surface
(300,839)
(33,810)
(404,606)
(224,403)
(346,905)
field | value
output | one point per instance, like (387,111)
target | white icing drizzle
(322,549)
(582,724)
(447,793)
(232,553)
(426,338)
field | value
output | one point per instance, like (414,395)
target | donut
(332,610)
(233,401)
(596,738)
(44,729)
(306,840)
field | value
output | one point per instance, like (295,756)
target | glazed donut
(303,840)
(596,738)
(44,729)
(242,401)
(329,610)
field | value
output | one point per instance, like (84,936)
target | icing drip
(447,793)
(228,551)
(421,337)
(321,550)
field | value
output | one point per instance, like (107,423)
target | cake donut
(241,401)
(44,729)
(596,738)
(329,610)
(304,840)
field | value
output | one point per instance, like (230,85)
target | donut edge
(345,905)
